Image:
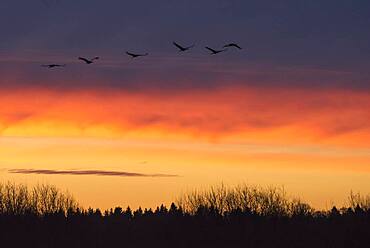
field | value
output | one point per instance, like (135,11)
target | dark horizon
(219,217)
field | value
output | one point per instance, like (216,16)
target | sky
(291,108)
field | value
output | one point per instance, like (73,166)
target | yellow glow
(302,170)
(294,138)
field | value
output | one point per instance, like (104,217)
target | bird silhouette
(53,65)
(88,61)
(135,55)
(182,48)
(213,51)
(232,45)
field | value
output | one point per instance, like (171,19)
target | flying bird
(134,55)
(88,61)
(53,65)
(213,51)
(232,45)
(182,48)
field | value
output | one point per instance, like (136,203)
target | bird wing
(178,46)
(212,50)
(238,46)
(232,45)
(235,45)
(84,59)
(131,54)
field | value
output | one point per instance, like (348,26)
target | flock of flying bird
(135,55)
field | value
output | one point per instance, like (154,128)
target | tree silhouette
(219,217)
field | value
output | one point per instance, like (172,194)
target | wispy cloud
(87,173)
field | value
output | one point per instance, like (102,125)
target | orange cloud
(229,114)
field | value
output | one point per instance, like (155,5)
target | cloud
(251,113)
(175,74)
(86,173)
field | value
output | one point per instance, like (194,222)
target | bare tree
(17,199)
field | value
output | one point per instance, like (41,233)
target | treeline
(241,216)
(41,200)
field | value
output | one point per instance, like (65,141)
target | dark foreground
(173,228)
(242,216)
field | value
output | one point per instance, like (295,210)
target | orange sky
(316,143)
(233,114)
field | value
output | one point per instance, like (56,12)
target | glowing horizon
(234,133)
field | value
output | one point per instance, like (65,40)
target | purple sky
(289,43)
